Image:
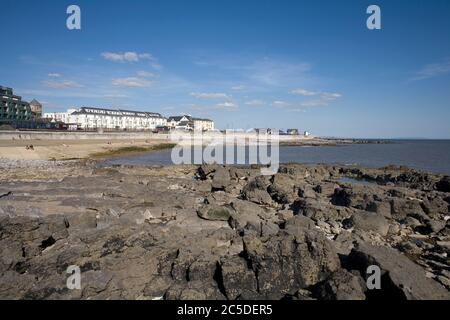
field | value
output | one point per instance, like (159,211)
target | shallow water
(428,155)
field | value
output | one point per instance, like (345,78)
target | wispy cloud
(277,73)
(304,92)
(54,75)
(255,103)
(238,88)
(146,74)
(280,104)
(132,82)
(317,99)
(209,95)
(62,84)
(228,106)
(432,70)
(322,95)
(223,106)
(129,56)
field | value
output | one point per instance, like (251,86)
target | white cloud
(330,96)
(129,56)
(146,74)
(321,99)
(277,73)
(156,66)
(225,106)
(303,92)
(229,106)
(255,103)
(433,70)
(280,104)
(54,75)
(132,82)
(238,88)
(209,95)
(62,84)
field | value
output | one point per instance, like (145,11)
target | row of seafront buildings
(18,113)
(89,118)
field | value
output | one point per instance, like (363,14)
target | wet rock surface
(214,232)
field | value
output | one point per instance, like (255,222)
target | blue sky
(311,65)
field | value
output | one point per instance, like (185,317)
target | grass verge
(131,150)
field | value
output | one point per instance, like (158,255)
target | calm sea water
(428,155)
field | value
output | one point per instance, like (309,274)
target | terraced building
(12,108)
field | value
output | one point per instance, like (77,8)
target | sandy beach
(80,145)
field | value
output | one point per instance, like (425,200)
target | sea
(428,155)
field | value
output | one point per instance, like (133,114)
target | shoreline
(72,146)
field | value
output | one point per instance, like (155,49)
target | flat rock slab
(407,277)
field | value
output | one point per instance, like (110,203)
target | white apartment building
(98,118)
(187,122)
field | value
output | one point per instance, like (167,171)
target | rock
(436,226)
(368,221)
(443,185)
(247,214)
(380,207)
(319,210)
(285,215)
(221,179)
(256,191)
(290,261)
(157,287)
(83,221)
(401,208)
(359,197)
(326,188)
(401,278)
(282,189)
(394,229)
(204,171)
(94,282)
(194,290)
(300,222)
(239,281)
(341,285)
(213,212)
(307,191)
(411,222)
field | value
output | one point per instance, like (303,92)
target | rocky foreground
(215,232)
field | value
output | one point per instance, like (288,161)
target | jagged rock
(238,280)
(204,171)
(443,185)
(300,222)
(282,189)
(341,285)
(213,212)
(256,191)
(157,287)
(290,261)
(285,214)
(380,207)
(436,226)
(401,208)
(326,188)
(319,210)
(401,278)
(368,221)
(194,290)
(221,179)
